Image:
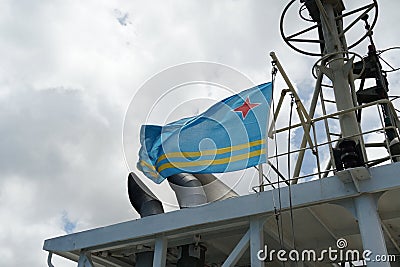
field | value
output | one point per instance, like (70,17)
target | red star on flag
(246,107)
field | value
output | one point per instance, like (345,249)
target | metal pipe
(341,88)
(49,257)
(278,109)
(291,87)
(215,189)
(141,198)
(188,190)
(313,105)
(327,130)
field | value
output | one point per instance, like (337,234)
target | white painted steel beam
(238,251)
(218,214)
(256,241)
(370,229)
(160,252)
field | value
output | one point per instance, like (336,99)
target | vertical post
(256,241)
(160,252)
(260,177)
(370,228)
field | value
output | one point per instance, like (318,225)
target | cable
(277,213)
(288,161)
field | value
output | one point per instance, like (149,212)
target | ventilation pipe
(146,204)
(215,189)
(190,193)
(188,190)
(141,198)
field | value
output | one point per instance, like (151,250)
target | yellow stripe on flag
(210,162)
(210,152)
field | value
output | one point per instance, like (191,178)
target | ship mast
(348,154)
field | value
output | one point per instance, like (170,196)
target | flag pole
(260,166)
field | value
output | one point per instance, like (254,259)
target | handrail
(341,112)
(383,128)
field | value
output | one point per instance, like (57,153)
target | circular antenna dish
(303,35)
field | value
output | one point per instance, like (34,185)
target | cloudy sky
(68,73)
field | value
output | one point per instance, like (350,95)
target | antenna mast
(348,153)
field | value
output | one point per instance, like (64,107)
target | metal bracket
(354,175)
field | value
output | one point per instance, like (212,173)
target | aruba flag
(229,136)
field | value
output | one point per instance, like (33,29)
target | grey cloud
(58,154)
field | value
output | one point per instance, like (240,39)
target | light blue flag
(229,136)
